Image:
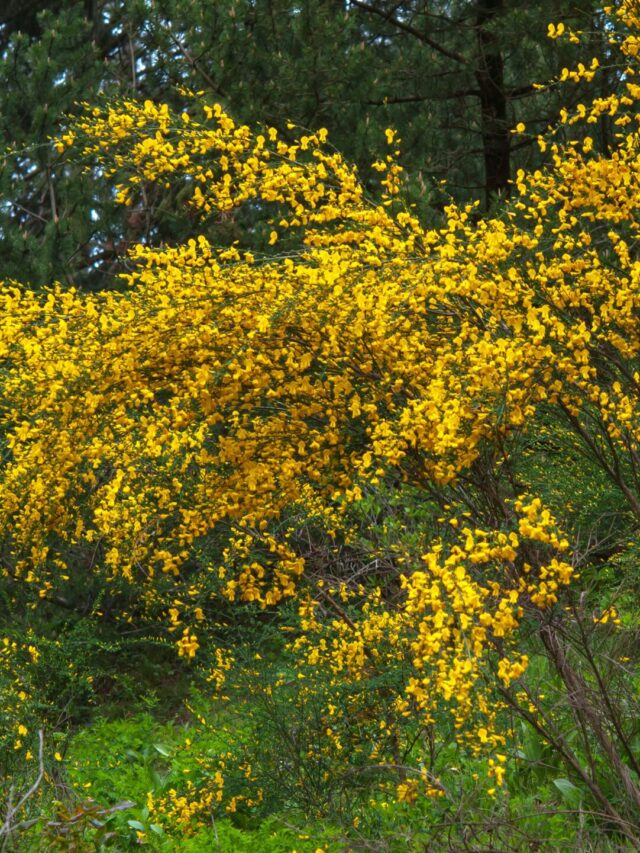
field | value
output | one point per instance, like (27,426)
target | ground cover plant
(342,534)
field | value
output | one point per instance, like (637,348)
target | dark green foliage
(452,77)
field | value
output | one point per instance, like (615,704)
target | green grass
(113,763)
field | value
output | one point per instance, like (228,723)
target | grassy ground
(97,797)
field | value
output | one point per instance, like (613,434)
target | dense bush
(380,486)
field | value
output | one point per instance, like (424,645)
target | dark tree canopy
(453,77)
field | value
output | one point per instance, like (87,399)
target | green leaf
(135,824)
(569,791)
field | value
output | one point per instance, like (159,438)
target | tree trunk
(493,101)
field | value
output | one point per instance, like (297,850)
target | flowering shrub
(209,431)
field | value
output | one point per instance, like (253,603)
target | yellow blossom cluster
(453,634)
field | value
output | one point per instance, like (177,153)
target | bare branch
(8,827)
(412,31)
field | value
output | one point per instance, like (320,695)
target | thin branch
(194,63)
(414,99)
(52,197)
(412,31)
(134,80)
(8,827)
